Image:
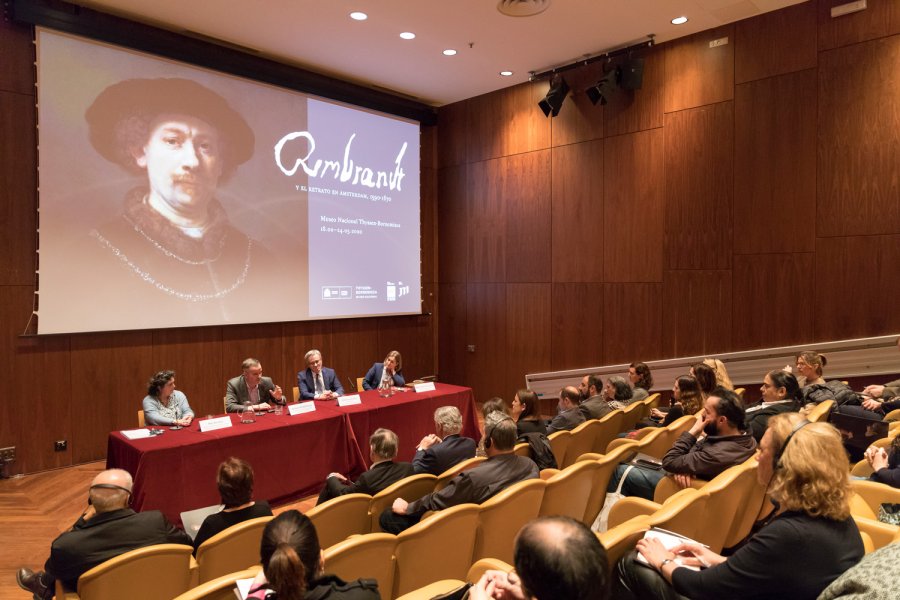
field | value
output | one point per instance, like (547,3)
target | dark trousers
(635,581)
(391,522)
(332,489)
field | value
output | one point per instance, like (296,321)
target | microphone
(352,383)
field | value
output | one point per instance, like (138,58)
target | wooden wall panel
(452,224)
(576,336)
(120,364)
(451,332)
(630,111)
(697,74)
(355,348)
(300,338)
(429,228)
(525,189)
(699,187)
(17,66)
(428,146)
(486,220)
(412,337)
(18,188)
(577,232)
(859,139)
(507,122)
(633,206)
(261,341)
(775,164)
(195,354)
(486,330)
(528,314)
(860,288)
(453,122)
(578,120)
(773,300)
(632,322)
(774,43)
(696,314)
(881,18)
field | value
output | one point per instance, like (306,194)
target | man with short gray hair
(439,451)
(251,389)
(318,382)
(384,471)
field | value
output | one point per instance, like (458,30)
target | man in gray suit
(596,406)
(569,416)
(251,388)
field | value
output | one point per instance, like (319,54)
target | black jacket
(440,457)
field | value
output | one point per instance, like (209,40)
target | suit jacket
(237,393)
(440,457)
(307,383)
(378,477)
(105,536)
(567,419)
(595,407)
(373,377)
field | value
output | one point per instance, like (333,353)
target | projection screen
(175,196)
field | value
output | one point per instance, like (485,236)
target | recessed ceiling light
(506,73)
(679,20)
(359,16)
(449,52)
(408,35)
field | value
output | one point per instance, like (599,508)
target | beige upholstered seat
(559,443)
(610,427)
(568,491)
(522,449)
(607,465)
(234,549)
(447,585)
(631,414)
(502,516)
(635,444)
(681,513)
(620,540)
(369,556)
(220,588)
(444,478)
(341,517)
(820,412)
(409,488)
(141,422)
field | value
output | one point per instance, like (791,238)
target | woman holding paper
(164,405)
(806,543)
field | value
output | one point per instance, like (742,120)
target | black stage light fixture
(632,74)
(555,97)
(603,89)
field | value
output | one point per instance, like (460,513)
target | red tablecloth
(291,456)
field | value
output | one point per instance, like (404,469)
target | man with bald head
(105,530)
(569,416)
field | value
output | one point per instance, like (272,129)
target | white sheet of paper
(349,400)
(425,387)
(216,423)
(243,588)
(301,407)
(136,434)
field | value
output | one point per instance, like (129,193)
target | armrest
(548,473)
(438,588)
(882,534)
(630,507)
(875,494)
(619,442)
(487,564)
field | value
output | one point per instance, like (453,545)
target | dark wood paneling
(300,338)
(486,220)
(18,187)
(486,330)
(119,364)
(696,314)
(632,322)
(429,227)
(507,122)
(195,355)
(633,206)
(525,188)
(264,342)
(17,66)
(578,120)
(355,348)
(413,338)
(773,300)
(428,149)
(576,336)
(630,111)
(860,274)
(452,127)
(452,225)
(699,187)
(528,314)
(452,334)
(775,43)
(881,18)
(697,74)
(859,139)
(577,215)
(775,164)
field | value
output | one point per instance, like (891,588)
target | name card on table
(349,400)
(301,407)
(213,424)
(136,434)
(425,387)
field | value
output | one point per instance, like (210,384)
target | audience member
(686,400)
(318,382)
(641,379)
(705,376)
(106,529)
(810,365)
(724,444)
(439,451)
(294,565)
(885,465)
(886,392)
(251,389)
(555,557)
(617,392)
(502,469)
(495,404)
(164,405)
(235,482)
(569,416)
(386,374)
(383,446)
(872,578)
(780,393)
(526,412)
(807,542)
(596,405)
(722,378)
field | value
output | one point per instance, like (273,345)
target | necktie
(320,385)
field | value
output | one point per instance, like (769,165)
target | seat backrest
(141,422)
(234,549)
(820,412)
(369,556)
(631,414)
(607,465)
(225,404)
(732,493)
(502,516)
(739,392)
(620,540)
(522,449)
(359,384)
(341,517)
(444,478)
(220,588)
(568,491)
(581,442)
(439,547)
(136,574)
(409,488)
(651,401)
(657,446)
(559,443)
(875,494)
(610,427)
(296,391)
(683,513)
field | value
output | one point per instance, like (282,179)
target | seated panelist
(252,389)
(164,405)
(385,374)
(318,382)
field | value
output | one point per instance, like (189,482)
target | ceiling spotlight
(506,73)
(679,20)
(359,16)
(449,52)
(601,91)
(408,35)
(555,97)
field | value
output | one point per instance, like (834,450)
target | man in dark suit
(569,416)
(595,406)
(318,382)
(438,452)
(384,471)
(251,388)
(105,530)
